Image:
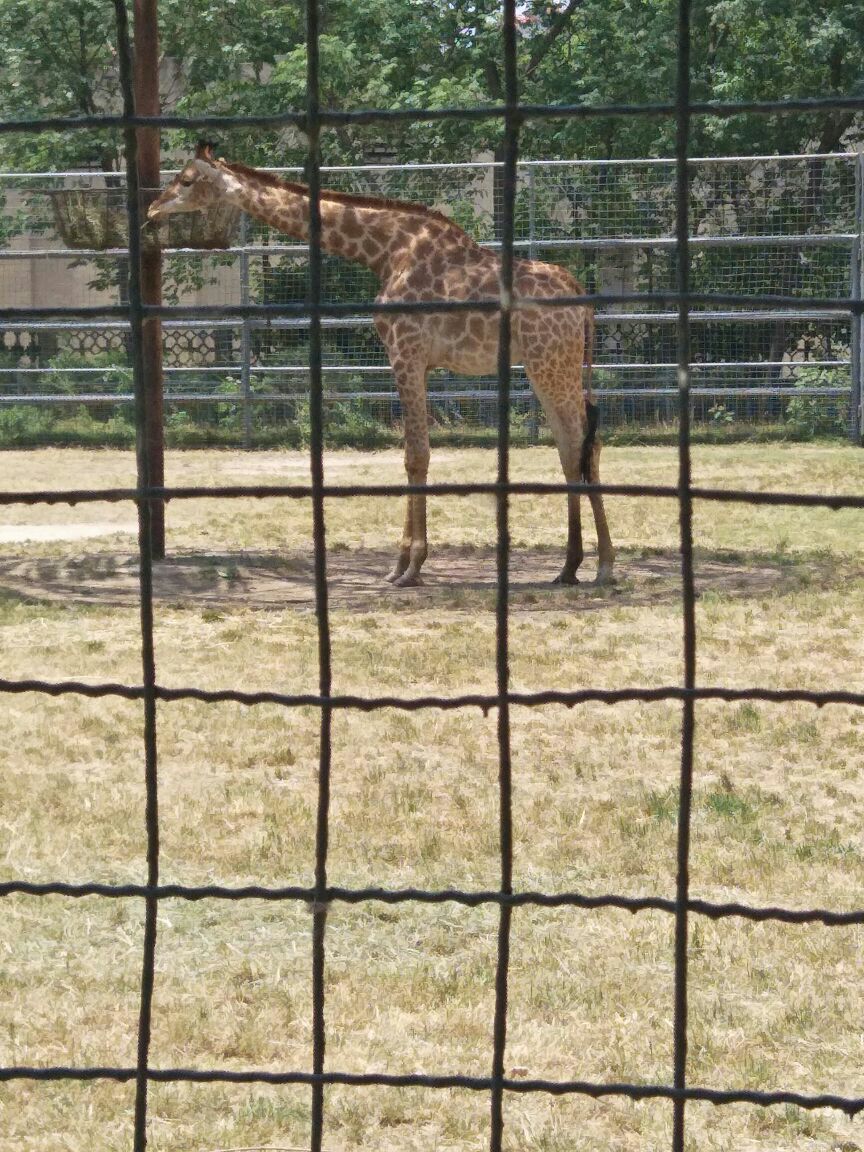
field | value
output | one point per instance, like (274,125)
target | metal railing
(758,224)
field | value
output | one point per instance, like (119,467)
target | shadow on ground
(455,578)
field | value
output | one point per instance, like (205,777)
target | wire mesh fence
(759,225)
(684,290)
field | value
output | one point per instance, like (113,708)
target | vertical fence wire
(325,679)
(146,506)
(685,511)
(502,603)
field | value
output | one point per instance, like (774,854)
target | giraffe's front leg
(409,575)
(414,547)
(404,557)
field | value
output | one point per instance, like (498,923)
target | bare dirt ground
(45,533)
(453,577)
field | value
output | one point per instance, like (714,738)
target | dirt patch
(453,578)
(46,533)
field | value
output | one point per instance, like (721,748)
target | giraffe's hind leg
(573,424)
(575,552)
(568,428)
(605,550)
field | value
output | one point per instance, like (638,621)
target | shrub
(809,416)
(23,425)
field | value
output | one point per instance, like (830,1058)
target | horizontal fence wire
(338,309)
(851,1105)
(834,501)
(711,910)
(314,311)
(485,702)
(332,118)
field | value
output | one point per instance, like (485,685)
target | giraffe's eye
(187,181)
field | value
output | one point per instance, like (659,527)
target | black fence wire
(321,895)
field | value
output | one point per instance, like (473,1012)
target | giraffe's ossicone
(419,255)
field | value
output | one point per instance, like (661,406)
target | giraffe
(418,254)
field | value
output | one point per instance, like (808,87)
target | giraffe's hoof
(400,567)
(566,578)
(408,580)
(605,577)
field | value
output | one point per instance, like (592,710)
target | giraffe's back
(467,342)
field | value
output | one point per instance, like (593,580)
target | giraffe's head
(203,181)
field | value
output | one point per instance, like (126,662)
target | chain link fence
(785,226)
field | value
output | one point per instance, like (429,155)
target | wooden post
(146,75)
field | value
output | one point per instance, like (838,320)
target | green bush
(810,416)
(24,425)
(29,426)
(113,373)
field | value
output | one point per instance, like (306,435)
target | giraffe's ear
(204,151)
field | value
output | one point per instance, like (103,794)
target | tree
(57,57)
(774,50)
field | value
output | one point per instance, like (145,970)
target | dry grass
(410,988)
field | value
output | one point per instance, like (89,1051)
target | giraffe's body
(421,256)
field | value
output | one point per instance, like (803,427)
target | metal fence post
(532,214)
(146,81)
(245,338)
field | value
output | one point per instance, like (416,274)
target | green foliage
(28,426)
(719,414)
(181,275)
(248,56)
(115,375)
(661,806)
(58,58)
(810,416)
(12,223)
(356,424)
(774,50)
(730,806)
(22,425)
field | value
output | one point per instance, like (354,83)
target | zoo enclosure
(785,226)
(148,495)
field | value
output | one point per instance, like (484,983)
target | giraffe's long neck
(365,232)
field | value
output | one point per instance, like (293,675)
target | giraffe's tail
(588,355)
(591,410)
